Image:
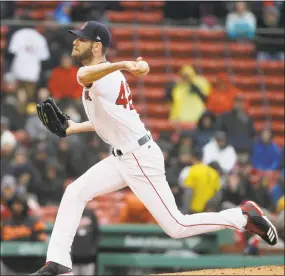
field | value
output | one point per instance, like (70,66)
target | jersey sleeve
(78,78)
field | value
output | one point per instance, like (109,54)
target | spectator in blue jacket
(241,24)
(266,155)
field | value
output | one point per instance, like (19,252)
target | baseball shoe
(259,224)
(53,269)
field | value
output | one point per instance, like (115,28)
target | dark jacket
(86,241)
(203,135)
(239,128)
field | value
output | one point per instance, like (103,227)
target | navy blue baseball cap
(94,31)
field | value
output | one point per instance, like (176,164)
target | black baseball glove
(52,117)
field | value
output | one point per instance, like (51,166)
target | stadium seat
(211,35)
(272,110)
(181,34)
(153,17)
(122,33)
(241,49)
(150,33)
(141,5)
(276,126)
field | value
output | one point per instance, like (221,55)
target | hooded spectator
(205,129)
(188,96)
(238,125)
(52,189)
(266,155)
(59,86)
(222,95)
(219,150)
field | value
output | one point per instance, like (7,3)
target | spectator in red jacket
(63,80)
(222,95)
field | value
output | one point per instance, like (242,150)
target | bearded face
(82,51)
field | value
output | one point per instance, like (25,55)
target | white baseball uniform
(108,105)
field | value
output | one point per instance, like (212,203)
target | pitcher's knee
(73,191)
(175,233)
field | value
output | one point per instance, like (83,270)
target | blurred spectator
(208,15)
(270,42)
(7,137)
(51,189)
(257,190)
(29,48)
(63,80)
(220,151)
(40,154)
(277,192)
(181,10)
(29,180)
(86,244)
(241,24)
(9,85)
(188,96)
(205,129)
(21,226)
(63,12)
(34,127)
(201,184)
(69,158)
(179,157)
(8,192)
(266,155)
(8,145)
(59,42)
(222,95)
(42,94)
(238,125)
(233,192)
(134,211)
(89,10)
(7,9)
(13,106)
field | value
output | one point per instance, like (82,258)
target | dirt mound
(258,270)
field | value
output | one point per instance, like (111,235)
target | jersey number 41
(125,96)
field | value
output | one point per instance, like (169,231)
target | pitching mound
(259,270)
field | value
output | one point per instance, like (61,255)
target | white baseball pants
(143,171)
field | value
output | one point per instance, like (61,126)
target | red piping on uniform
(168,209)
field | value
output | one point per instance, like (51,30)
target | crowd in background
(36,166)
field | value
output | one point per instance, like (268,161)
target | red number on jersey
(122,99)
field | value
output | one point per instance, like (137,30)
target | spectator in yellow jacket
(201,184)
(188,96)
